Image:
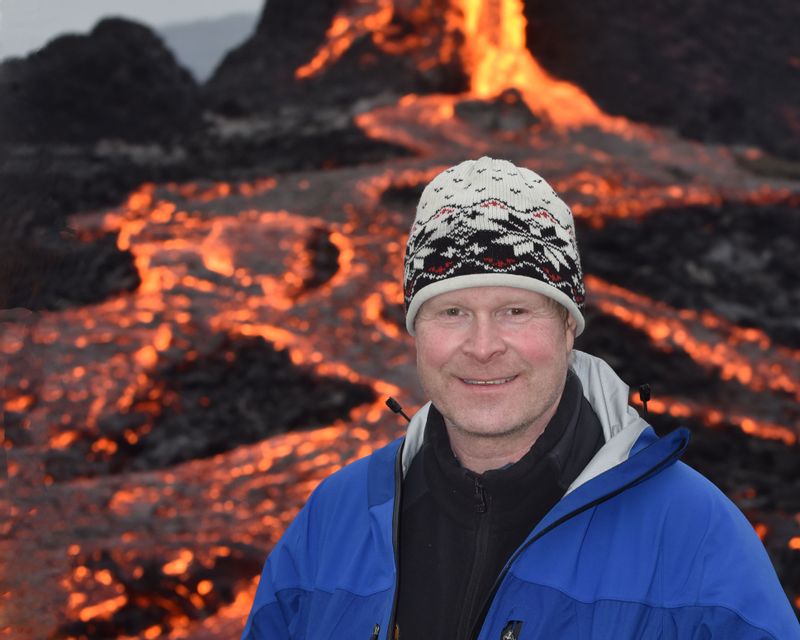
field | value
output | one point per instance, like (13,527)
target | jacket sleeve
(727,579)
(278,611)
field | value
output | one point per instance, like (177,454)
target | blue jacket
(641,546)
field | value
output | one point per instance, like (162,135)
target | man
(527,500)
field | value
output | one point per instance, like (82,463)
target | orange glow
(142,198)
(103,609)
(277,336)
(736,354)
(132,228)
(104,445)
(104,577)
(216,254)
(20,403)
(761,529)
(498,59)
(63,440)
(727,348)
(794,543)
(204,587)
(607,196)
(258,187)
(146,357)
(163,337)
(344,30)
(374,305)
(713,418)
(494,53)
(180,564)
(151,633)
(162,212)
(76,600)
(396,123)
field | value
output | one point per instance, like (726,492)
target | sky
(26,25)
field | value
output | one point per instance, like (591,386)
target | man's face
(493,359)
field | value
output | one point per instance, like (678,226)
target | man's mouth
(487,383)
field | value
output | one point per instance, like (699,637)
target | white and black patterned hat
(487,223)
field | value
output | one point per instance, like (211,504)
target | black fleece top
(458,528)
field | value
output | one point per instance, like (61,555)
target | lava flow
(158,443)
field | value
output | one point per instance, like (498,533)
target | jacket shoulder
(708,553)
(370,478)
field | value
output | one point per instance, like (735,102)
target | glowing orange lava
(712,417)
(494,54)
(707,338)
(498,59)
(364,18)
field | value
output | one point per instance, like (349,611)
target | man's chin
(475,427)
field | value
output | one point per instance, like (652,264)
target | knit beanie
(488,223)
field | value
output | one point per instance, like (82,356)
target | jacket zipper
(471,604)
(398,487)
(480,496)
(512,630)
(478,625)
(376,630)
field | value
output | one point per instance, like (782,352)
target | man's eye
(517,311)
(452,312)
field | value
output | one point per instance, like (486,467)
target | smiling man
(527,500)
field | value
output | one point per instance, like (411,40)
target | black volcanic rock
(506,113)
(718,70)
(230,391)
(119,81)
(42,264)
(259,76)
(56,270)
(295,139)
(738,260)
(262,68)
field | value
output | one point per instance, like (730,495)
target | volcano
(203,314)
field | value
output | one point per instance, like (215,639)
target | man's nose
(484,339)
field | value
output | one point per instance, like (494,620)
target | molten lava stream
(739,353)
(714,418)
(746,356)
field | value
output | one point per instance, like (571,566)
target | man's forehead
(486,295)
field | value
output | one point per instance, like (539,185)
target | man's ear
(570,327)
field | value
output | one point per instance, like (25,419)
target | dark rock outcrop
(507,113)
(259,76)
(119,81)
(681,64)
(54,271)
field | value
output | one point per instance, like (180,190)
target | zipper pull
(512,630)
(480,497)
(376,630)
